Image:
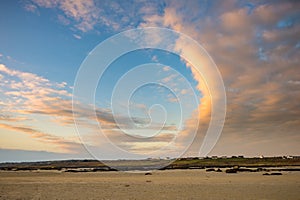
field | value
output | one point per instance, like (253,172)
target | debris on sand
(272,174)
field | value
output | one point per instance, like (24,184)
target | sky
(254,44)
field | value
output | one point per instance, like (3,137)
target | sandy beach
(169,184)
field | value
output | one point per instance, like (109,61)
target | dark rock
(246,170)
(261,169)
(231,171)
(218,170)
(276,173)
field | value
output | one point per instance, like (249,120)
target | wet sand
(169,184)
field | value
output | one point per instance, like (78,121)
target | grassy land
(183,163)
(231,162)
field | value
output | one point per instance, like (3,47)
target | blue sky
(40,40)
(254,44)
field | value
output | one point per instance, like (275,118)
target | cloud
(9,118)
(17,155)
(77,36)
(261,92)
(166,68)
(87,15)
(255,49)
(27,95)
(136,144)
(30,97)
(154,58)
(174,99)
(169,78)
(59,142)
(84,13)
(31,8)
(63,20)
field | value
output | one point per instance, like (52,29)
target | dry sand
(172,184)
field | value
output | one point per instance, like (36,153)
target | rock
(231,171)
(218,170)
(261,169)
(276,174)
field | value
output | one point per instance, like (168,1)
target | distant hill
(182,163)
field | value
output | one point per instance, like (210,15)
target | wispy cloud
(60,143)
(77,36)
(31,8)
(86,15)
(25,95)
(28,96)
(17,155)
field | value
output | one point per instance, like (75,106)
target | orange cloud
(64,145)
(260,95)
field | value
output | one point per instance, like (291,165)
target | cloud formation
(255,45)
(258,59)
(27,97)
(87,15)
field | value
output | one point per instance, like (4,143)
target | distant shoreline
(235,163)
